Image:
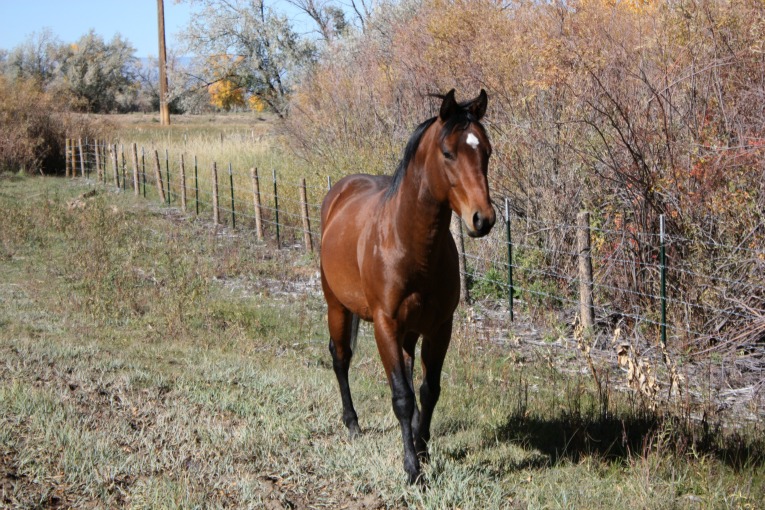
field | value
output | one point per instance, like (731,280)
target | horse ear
(478,105)
(448,106)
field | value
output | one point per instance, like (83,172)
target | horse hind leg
(343,330)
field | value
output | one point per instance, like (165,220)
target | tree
(264,54)
(37,58)
(146,73)
(329,18)
(225,94)
(99,74)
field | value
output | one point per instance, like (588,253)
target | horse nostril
(481,224)
(478,222)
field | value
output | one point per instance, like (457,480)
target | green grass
(148,361)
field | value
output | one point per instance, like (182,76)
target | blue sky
(69,19)
(135,20)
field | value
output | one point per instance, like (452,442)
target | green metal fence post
(276,212)
(233,209)
(196,185)
(511,290)
(143,170)
(167,172)
(663,267)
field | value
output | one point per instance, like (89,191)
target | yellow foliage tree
(226,94)
(256,103)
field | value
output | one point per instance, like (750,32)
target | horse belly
(340,272)
(346,214)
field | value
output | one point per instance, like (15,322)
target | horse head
(463,156)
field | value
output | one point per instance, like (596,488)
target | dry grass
(149,361)
(237,141)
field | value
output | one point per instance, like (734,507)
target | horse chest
(424,313)
(418,286)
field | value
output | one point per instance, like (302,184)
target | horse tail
(354,332)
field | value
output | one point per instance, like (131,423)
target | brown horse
(387,256)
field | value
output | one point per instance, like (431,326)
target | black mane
(409,152)
(460,121)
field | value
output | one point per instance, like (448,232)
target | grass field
(149,360)
(239,142)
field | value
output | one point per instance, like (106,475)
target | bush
(630,110)
(34,126)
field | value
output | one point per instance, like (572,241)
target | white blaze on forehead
(472,140)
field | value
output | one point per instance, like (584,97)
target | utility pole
(164,109)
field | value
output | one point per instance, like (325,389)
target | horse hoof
(416,479)
(354,431)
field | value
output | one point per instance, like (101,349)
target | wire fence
(698,296)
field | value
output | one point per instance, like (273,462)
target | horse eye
(448,155)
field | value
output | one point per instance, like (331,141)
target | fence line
(594,279)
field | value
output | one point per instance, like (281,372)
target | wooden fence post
(456,228)
(87,159)
(256,203)
(158,177)
(104,161)
(73,155)
(183,184)
(136,183)
(586,307)
(115,164)
(82,158)
(100,160)
(124,177)
(97,148)
(216,210)
(66,157)
(306,220)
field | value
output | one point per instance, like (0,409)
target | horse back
(351,196)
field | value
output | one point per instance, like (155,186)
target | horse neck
(416,207)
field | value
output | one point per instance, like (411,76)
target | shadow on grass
(615,439)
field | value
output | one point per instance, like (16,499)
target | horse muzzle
(480,223)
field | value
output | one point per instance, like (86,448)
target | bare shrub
(631,110)
(34,126)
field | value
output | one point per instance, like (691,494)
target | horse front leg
(433,353)
(410,344)
(389,344)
